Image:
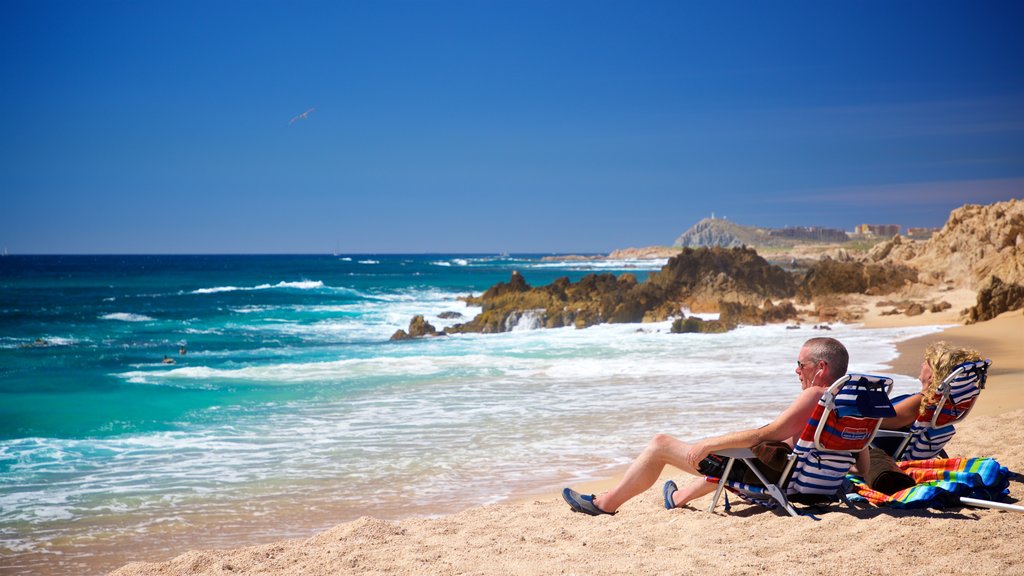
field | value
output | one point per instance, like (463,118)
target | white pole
(991,504)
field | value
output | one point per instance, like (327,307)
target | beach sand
(542,536)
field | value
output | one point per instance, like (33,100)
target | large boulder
(995,298)
(418,328)
(701,278)
(694,325)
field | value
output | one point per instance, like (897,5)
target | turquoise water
(292,411)
(99,315)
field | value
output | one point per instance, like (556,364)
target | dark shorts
(772,459)
(885,476)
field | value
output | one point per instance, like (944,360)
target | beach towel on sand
(941,482)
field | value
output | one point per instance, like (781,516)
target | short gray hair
(832,352)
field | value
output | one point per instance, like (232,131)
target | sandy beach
(542,536)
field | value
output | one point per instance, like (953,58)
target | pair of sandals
(584,503)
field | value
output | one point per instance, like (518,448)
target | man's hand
(698,452)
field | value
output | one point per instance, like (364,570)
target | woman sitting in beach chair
(951,380)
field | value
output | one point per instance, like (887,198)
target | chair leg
(721,484)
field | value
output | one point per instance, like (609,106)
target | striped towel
(941,482)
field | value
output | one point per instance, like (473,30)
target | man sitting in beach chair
(821,362)
(844,422)
(951,381)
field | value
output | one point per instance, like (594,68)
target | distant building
(884,230)
(921,232)
(815,233)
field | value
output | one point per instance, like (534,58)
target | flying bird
(302,116)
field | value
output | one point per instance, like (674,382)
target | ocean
(290,410)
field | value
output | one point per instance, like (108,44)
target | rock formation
(995,298)
(711,232)
(693,325)
(829,276)
(976,243)
(418,328)
(701,280)
(734,313)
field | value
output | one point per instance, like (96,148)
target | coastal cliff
(976,242)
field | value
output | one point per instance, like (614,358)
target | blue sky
(489,126)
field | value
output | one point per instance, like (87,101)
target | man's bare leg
(693,490)
(645,470)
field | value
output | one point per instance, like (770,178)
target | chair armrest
(736,453)
(891,434)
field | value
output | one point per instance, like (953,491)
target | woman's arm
(906,412)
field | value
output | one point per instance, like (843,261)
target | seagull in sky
(302,116)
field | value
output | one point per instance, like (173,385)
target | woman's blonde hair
(942,357)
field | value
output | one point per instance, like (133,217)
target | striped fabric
(941,482)
(930,432)
(926,442)
(825,453)
(845,420)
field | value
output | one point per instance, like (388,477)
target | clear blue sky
(491,125)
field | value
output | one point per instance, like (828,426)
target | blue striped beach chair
(844,422)
(955,397)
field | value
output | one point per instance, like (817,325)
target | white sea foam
(127,317)
(218,289)
(601,264)
(300,285)
(369,261)
(43,342)
(522,408)
(203,331)
(702,315)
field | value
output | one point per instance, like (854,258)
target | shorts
(885,475)
(772,459)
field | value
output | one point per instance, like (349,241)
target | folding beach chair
(844,421)
(931,431)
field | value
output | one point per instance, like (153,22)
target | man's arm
(787,425)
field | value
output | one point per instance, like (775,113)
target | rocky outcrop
(418,328)
(734,313)
(976,242)
(742,286)
(700,280)
(712,232)
(995,298)
(595,299)
(695,325)
(647,253)
(829,276)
